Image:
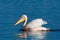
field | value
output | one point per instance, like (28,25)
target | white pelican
(34,25)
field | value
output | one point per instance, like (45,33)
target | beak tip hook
(15,24)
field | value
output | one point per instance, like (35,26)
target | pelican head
(22,19)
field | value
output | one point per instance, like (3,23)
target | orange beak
(20,20)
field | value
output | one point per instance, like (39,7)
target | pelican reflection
(38,35)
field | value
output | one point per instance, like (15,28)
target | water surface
(11,11)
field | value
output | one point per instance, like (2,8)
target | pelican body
(34,25)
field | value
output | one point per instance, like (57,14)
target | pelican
(34,25)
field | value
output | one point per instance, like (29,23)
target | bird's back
(36,23)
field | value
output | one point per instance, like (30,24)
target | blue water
(11,11)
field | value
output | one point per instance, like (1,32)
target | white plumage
(34,25)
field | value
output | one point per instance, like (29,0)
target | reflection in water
(37,35)
(33,35)
(23,34)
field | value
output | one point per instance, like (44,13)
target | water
(11,11)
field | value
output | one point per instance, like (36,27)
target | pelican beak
(19,21)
